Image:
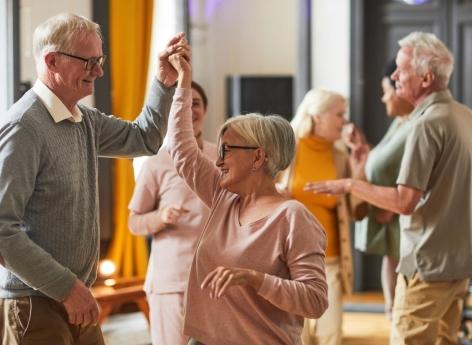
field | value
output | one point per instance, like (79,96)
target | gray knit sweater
(49,220)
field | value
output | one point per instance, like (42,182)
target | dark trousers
(42,321)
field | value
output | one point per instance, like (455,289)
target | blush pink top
(158,185)
(288,246)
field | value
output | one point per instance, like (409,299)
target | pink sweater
(158,186)
(288,246)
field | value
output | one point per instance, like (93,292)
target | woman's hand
(222,278)
(352,136)
(356,142)
(334,187)
(177,45)
(181,63)
(358,159)
(169,215)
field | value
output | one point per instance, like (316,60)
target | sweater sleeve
(142,136)
(146,197)
(198,171)
(305,293)
(19,165)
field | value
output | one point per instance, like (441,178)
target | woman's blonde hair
(315,102)
(271,133)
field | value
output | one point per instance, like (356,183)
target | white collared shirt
(56,108)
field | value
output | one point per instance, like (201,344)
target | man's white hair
(59,33)
(430,54)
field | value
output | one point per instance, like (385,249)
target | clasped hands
(176,54)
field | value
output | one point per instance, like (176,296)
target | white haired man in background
(434,195)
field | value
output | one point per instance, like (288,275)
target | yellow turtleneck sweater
(314,161)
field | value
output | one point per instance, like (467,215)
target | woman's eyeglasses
(224,148)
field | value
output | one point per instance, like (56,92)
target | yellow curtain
(130,33)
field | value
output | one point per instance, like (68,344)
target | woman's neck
(320,138)
(199,139)
(259,203)
(259,190)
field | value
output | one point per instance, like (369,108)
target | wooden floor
(365,328)
(358,328)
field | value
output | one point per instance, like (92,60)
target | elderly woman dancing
(258,268)
(163,206)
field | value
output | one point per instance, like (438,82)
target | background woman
(379,232)
(318,124)
(258,268)
(164,206)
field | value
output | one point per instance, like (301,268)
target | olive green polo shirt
(436,240)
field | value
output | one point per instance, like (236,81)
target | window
(8,53)
(4,85)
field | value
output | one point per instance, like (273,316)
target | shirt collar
(435,97)
(54,105)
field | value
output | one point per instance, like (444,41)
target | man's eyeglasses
(90,63)
(222,149)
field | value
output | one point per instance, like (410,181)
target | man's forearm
(158,107)
(388,198)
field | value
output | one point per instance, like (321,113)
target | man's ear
(428,80)
(51,61)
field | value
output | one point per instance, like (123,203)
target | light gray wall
(231,37)
(331,45)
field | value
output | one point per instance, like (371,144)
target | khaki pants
(427,312)
(42,321)
(327,330)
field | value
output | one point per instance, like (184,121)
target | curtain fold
(130,33)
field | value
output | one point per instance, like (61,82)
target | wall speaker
(262,94)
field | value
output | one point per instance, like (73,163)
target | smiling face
(408,83)
(329,125)
(237,164)
(394,105)
(72,81)
(198,112)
